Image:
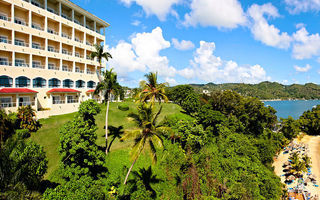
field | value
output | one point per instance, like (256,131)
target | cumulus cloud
(142,53)
(297,6)
(306,45)
(210,68)
(182,45)
(160,8)
(222,14)
(302,69)
(263,31)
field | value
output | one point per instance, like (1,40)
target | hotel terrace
(45,48)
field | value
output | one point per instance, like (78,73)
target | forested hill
(266,90)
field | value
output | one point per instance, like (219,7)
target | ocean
(293,108)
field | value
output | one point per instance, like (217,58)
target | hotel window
(91,84)
(71,99)
(80,84)
(4,61)
(36,45)
(19,42)
(6,102)
(51,48)
(5,81)
(39,82)
(67,83)
(22,81)
(20,63)
(3,39)
(54,83)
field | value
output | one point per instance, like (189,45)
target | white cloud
(306,45)
(297,6)
(302,69)
(142,54)
(160,8)
(136,23)
(182,45)
(171,81)
(222,14)
(263,31)
(210,68)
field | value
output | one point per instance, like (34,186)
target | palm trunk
(125,180)
(107,113)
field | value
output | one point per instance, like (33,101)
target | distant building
(45,48)
(206,92)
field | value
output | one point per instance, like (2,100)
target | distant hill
(265,90)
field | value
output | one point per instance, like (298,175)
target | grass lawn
(48,136)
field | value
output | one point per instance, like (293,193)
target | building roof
(16,91)
(90,91)
(63,90)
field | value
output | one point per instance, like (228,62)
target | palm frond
(128,134)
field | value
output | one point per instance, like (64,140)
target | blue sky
(219,41)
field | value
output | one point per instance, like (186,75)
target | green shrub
(23,133)
(27,118)
(123,107)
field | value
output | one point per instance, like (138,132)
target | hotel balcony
(21,60)
(53,64)
(37,21)
(5,11)
(53,46)
(38,62)
(53,27)
(38,43)
(21,16)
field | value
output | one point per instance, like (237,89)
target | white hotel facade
(45,48)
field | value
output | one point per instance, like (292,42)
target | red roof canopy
(90,91)
(16,91)
(63,90)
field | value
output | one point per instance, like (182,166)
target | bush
(27,118)
(123,107)
(23,133)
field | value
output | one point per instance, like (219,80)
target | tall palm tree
(152,90)
(147,136)
(99,54)
(108,86)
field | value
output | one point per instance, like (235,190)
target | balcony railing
(20,21)
(36,26)
(4,17)
(90,72)
(7,63)
(20,43)
(21,65)
(89,43)
(8,105)
(52,10)
(65,35)
(53,50)
(52,31)
(89,58)
(66,16)
(36,3)
(67,53)
(27,103)
(35,46)
(66,69)
(78,40)
(79,71)
(38,66)
(58,102)
(53,67)
(2,40)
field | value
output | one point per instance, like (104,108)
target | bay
(293,108)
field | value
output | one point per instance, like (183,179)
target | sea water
(293,108)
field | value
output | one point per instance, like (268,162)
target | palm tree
(152,90)
(108,85)
(307,161)
(148,134)
(99,54)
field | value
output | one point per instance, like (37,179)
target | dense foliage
(266,90)
(123,107)
(27,118)
(310,121)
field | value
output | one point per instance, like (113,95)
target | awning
(90,91)
(16,91)
(63,90)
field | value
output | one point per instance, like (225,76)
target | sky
(218,41)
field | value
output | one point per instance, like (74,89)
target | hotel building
(45,48)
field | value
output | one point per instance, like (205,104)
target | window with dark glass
(5,81)
(91,84)
(4,61)
(80,84)
(39,82)
(67,83)
(22,81)
(3,39)
(54,83)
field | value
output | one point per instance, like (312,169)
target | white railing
(90,72)
(52,10)
(37,47)
(19,43)
(27,103)
(89,43)
(53,50)
(67,53)
(72,101)
(5,41)
(8,105)
(21,65)
(65,35)
(20,21)
(66,69)
(38,27)
(38,66)
(5,63)
(58,102)
(65,16)
(36,3)
(52,31)
(78,40)
(53,67)
(4,17)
